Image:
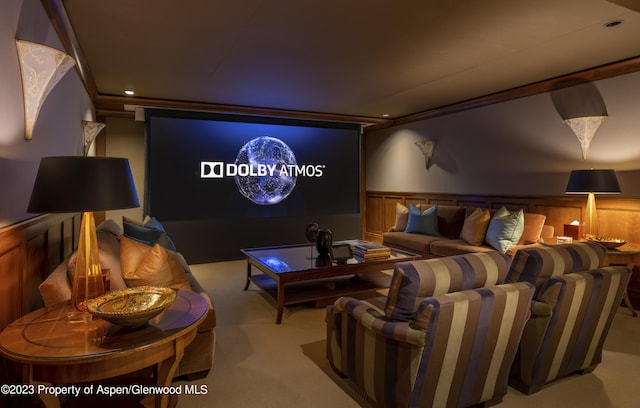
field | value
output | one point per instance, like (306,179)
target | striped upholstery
(571,312)
(415,280)
(537,264)
(456,353)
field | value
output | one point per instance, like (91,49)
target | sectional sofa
(446,230)
(130,257)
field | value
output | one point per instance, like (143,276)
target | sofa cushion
(150,265)
(425,222)
(415,280)
(452,247)
(418,243)
(450,220)
(475,227)
(505,229)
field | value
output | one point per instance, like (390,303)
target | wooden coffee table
(295,274)
(53,350)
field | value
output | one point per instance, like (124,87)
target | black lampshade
(593,181)
(79,183)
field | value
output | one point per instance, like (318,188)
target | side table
(627,255)
(52,350)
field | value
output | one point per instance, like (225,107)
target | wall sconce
(89,132)
(592,182)
(584,128)
(42,68)
(426,147)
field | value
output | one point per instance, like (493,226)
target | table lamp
(592,182)
(84,184)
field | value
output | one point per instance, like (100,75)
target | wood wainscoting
(29,251)
(618,217)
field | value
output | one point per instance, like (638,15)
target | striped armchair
(454,349)
(574,304)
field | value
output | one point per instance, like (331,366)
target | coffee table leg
(280,302)
(246,285)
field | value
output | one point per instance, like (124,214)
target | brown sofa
(198,356)
(457,234)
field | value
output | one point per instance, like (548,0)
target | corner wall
(58,130)
(125,138)
(520,147)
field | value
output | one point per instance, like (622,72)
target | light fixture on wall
(84,184)
(426,147)
(89,132)
(592,182)
(585,128)
(41,68)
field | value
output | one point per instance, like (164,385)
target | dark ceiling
(352,59)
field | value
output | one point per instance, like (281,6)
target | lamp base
(87,281)
(591,220)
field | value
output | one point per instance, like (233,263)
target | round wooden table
(626,255)
(51,349)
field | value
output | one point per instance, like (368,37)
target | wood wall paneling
(374,216)
(619,223)
(12,256)
(29,251)
(619,218)
(390,203)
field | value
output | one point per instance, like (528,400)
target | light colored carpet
(260,364)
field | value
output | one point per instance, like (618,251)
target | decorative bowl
(609,243)
(132,307)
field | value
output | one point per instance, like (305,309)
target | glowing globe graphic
(266,153)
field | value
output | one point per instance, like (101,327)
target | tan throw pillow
(475,227)
(402,217)
(533,224)
(150,265)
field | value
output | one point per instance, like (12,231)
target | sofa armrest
(56,287)
(210,322)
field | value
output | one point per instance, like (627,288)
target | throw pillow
(136,222)
(143,265)
(505,229)
(533,225)
(425,222)
(402,216)
(475,227)
(151,232)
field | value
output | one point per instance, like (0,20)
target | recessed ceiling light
(129,92)
(385,115)
(612,23)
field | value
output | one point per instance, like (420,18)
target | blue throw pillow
(423,223)
(505,229)
(151,233)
